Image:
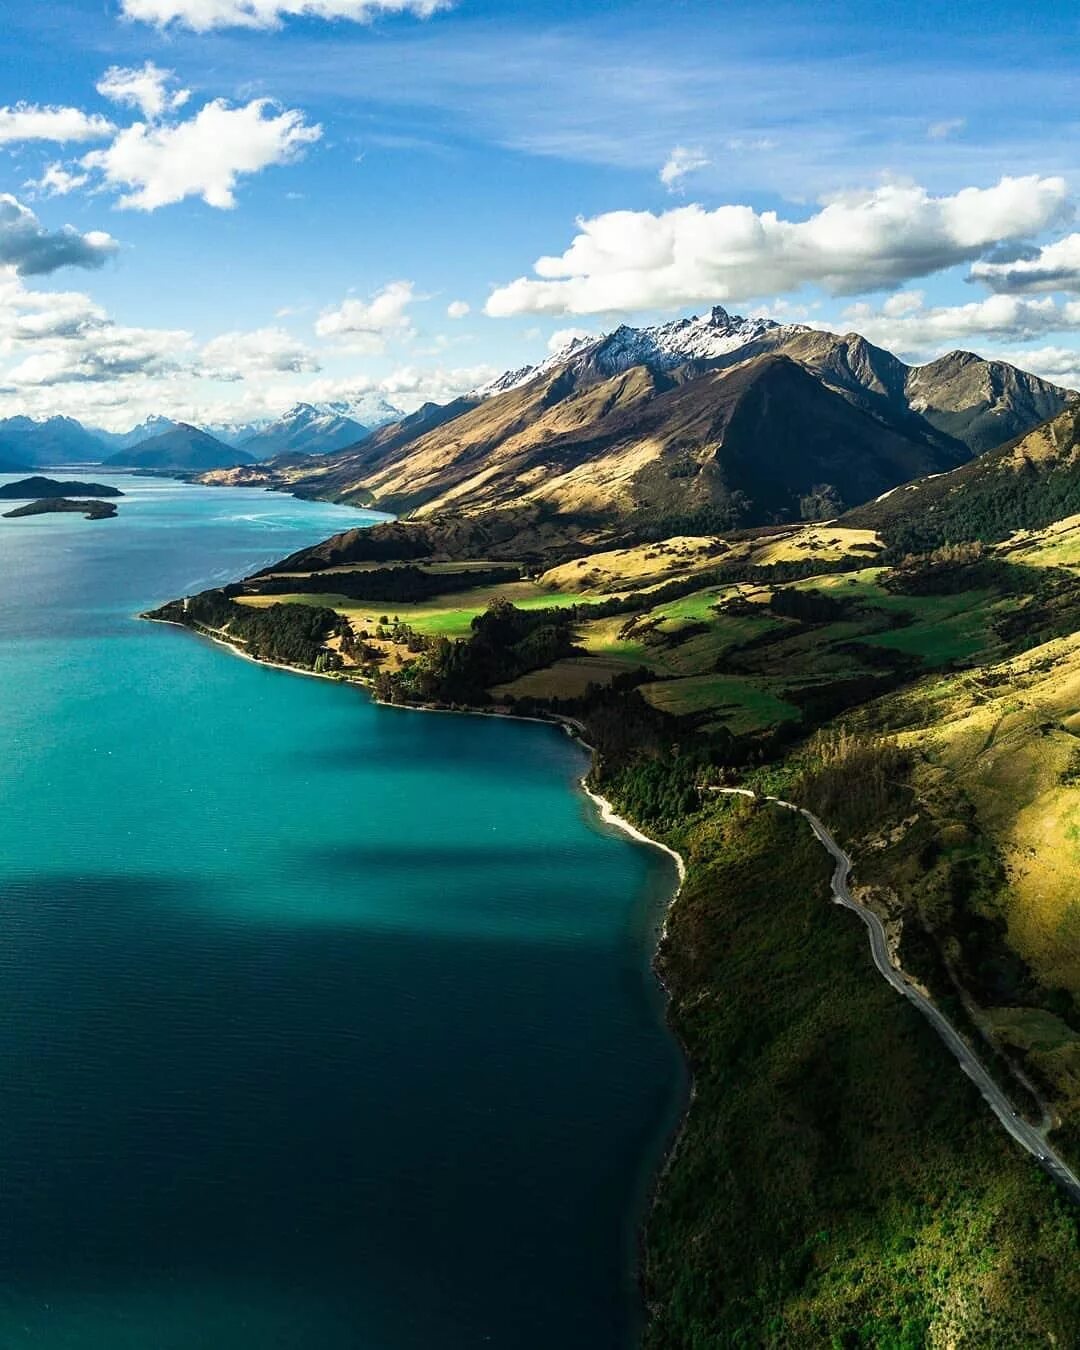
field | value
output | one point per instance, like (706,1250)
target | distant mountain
(184,447)
(305,430)
(114,441)
(54,440)
(232,433)
(10,466)
(371,410)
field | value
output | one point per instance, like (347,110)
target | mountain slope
(185,447)
(1026,484)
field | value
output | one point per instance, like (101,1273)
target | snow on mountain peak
(664,346)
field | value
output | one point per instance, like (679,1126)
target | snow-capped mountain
(702,338)
(306,430)
(371,409)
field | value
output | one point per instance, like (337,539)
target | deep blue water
(321,1024)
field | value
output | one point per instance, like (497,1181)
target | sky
(214,209)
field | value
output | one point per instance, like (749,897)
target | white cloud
(680,162)
(57,181)
(1054,267)
(457,309)
(64,338)
(32,250)
(265,351)
(624,261)
(366,325)
(204,15)
(905,325)
(941,131)
(145,88)
(202,157)
(1059,364)
(562,338)
(28,122)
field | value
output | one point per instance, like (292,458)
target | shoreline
(607,813)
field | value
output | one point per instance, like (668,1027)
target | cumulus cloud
(1059,364)
(57,181)
(202,157)
(266,351)
(146,88)
(64,338)
(563,337)
(457,309)
(28,122)
(680,162)
(32,250)
(204,15)
(623,261)
(906,325)
(366,325)
(1054,267)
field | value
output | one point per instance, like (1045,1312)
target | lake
(321,1024)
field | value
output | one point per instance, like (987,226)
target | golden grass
(1008,735)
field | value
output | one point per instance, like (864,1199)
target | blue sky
(313,183)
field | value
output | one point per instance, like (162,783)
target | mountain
(10,466)
(116,440)
(54,440)
(719,420)
(764,441)
(185,447)
(305,430)
(958,397)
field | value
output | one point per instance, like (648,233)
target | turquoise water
(321,1024)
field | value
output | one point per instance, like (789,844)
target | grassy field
(740,704)
(443,616)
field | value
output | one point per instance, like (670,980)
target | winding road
(1028,1136)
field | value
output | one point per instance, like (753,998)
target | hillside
(1026,484)
(185,447)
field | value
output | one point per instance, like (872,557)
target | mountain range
(710,422)
(307,428)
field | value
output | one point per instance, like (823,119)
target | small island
(48,505)
(39,487)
